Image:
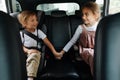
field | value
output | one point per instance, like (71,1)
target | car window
(3,6)
(18,7)
(114,6)
(68,7)
(100,3)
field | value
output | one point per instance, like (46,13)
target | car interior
(59,26)
(107,48)
(12,58)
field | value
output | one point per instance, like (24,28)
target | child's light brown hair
(24,16)
(93,7)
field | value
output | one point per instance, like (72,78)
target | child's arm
(48,43)
(25,50)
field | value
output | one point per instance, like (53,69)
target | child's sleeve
(41,35)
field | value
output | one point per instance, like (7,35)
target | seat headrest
(41,18)
(78,13)
(15,14)
(40,15)
(58,13)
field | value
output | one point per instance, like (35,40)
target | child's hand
(59,58)
(32,51)
(58,55)
(62,52)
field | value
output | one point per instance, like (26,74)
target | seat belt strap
(31,35)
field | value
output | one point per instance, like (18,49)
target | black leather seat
(107,49)
(58,32)
(75,21)
(12,59)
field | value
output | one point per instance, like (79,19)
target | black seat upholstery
(41,17)
(75,21)
(12,59)
(107,49)
(58,32)
(57,23)
(15,15)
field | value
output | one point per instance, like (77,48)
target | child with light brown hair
(29,22)
(86,33)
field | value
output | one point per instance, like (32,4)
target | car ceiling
(31,4)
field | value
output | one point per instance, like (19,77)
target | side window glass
(114,6)
(16,7)
(100,3)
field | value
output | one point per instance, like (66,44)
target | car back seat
(107,48)
(58,29)
(58,32)
(12,59)
(75,21)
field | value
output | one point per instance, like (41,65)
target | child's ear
(97,16)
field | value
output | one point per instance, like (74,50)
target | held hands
(59,55)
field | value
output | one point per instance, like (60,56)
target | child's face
(32,22)
(88,17)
